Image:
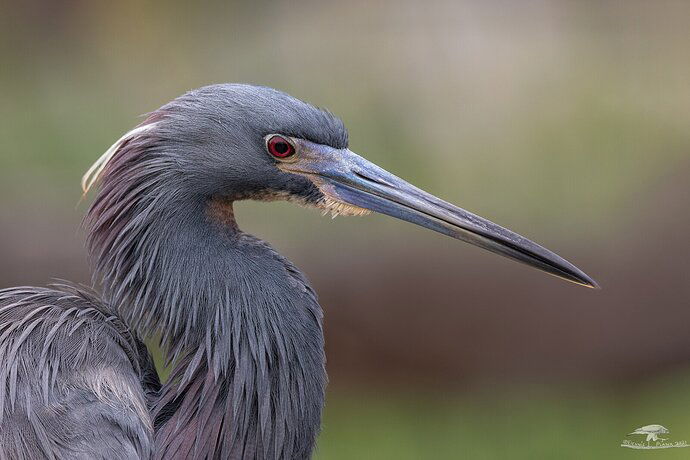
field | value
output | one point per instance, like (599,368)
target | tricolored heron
(240,324)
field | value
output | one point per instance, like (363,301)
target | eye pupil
(279,147)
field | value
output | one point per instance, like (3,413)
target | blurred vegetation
(520,424)
(566,120)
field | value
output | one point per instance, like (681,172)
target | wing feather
(74,381)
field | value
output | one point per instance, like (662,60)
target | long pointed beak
(345,176)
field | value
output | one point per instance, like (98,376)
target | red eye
(279,147)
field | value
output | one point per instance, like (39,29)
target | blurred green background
(565,121)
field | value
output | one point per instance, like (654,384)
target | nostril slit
(369,178)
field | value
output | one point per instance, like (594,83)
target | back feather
(74,381)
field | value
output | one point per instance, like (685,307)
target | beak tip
(593,285)
(586,281)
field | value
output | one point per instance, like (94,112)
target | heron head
(238,142)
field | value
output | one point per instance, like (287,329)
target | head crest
(94,173)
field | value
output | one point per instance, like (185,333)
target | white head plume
(94,173)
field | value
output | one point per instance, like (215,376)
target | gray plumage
(240,325)
(76,383)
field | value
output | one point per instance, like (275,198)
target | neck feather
(239,323)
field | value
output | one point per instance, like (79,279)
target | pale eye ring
(280,147)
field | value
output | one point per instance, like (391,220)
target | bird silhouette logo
(653,439)
(652,432)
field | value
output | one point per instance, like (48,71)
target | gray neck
(240,323)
